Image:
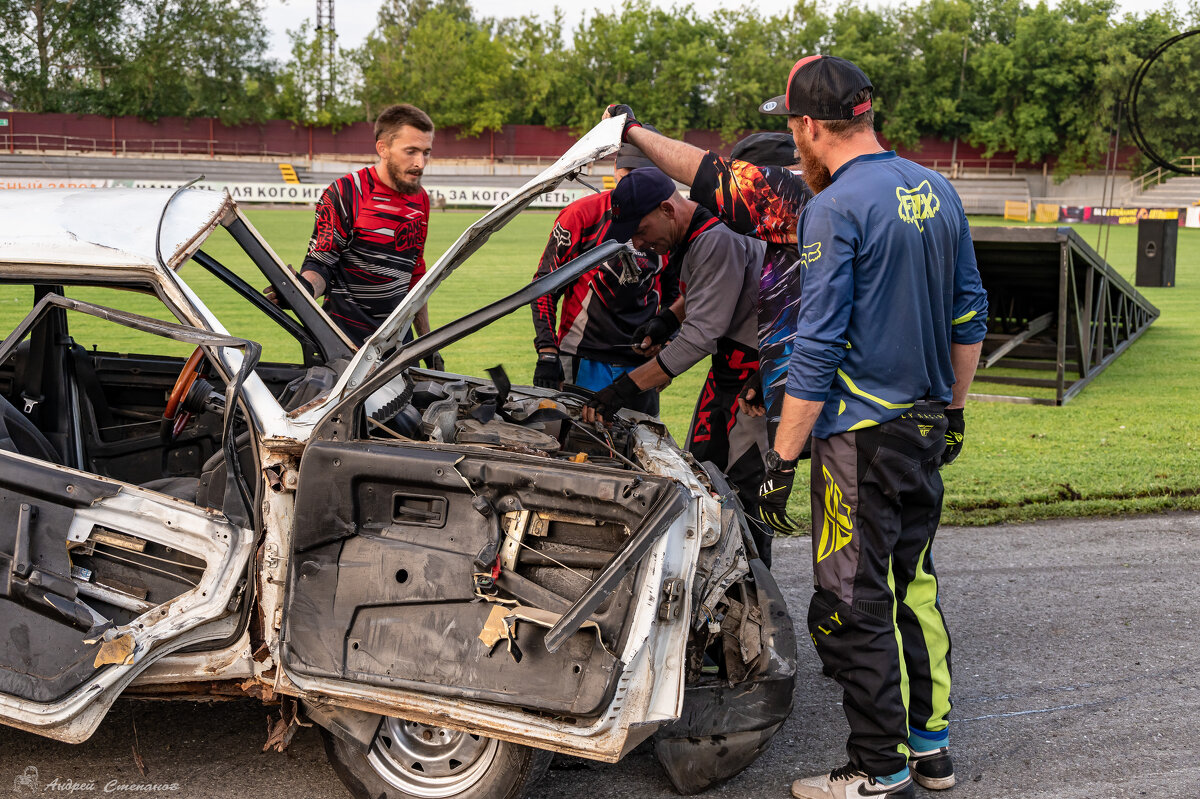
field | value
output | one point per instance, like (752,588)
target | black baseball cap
(766,149)
(630,157)
(821,87)
(639,193)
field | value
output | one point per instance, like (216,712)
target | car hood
(600,141)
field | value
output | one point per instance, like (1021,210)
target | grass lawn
(1126,444)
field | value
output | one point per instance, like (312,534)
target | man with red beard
(892,316)
(368,244)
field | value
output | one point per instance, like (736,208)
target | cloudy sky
(355,18)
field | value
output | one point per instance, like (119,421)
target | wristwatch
(776,463)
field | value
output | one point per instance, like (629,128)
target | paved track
(1076,676)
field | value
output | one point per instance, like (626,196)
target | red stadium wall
(92,133)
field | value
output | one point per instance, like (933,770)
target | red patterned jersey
(368,243)
(603,307)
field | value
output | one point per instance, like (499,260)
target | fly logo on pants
(838,529)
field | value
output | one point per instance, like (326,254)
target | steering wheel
(183,384)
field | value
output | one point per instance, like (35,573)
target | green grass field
(1127,444)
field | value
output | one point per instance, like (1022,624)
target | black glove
(752,386)
(614,397)
(658,329)
(955,430)
(772,500)
(549,372)
(435,362)
(616,109)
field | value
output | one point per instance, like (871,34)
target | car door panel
(392,580)
(64,535)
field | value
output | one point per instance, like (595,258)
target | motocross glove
(772,500)
(614,397)
(955,430)
(616,109)
(658,329)
(549,371)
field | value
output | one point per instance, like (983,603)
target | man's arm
(795,425)
(964,358)
(678,159)
(421,320)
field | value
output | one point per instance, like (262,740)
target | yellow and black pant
(875,617)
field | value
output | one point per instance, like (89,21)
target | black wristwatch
(776,463)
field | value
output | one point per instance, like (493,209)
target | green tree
(50,50)
(305,95)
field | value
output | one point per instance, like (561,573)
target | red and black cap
(821,87)
(638,193)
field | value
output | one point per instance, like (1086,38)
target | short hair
(841,128)
(397,116)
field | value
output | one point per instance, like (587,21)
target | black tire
(488,768)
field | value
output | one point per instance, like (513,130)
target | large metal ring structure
(1135,88)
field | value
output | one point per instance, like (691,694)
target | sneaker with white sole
(848,782)
(931,768)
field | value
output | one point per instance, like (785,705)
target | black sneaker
(932,769)
(848,782)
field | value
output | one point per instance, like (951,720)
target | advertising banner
(1115,216)
(306,193)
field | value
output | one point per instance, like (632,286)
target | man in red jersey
(604,309)
(368,244)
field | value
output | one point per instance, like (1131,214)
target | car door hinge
(672,599)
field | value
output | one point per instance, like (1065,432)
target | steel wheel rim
(430,762)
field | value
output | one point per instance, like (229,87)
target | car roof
(106,228)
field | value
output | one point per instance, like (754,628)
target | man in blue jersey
(892,316)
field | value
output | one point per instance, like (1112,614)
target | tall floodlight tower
(328,34)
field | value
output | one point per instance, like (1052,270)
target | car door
(99,579)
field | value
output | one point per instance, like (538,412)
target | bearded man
(368,244)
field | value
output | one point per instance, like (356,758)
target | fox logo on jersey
(917,205)
(810,254)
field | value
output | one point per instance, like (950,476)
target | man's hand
(610,399)
(749,399)
(305,283)
(650,336)
(955,431)
(435,362)
(615,110)
(549,371)
(772,500)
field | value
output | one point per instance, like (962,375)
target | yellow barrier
(1046,212)
(609,183)
(289,173)
(1016,210)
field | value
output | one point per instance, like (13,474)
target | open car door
(100,578)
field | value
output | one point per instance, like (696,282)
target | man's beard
(813,171)
(405,184)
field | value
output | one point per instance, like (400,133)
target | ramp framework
(1056,308)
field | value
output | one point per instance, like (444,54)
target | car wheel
(409,759)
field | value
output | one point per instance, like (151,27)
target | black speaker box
(1157,240)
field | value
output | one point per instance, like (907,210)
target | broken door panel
(402,553)
(98,580)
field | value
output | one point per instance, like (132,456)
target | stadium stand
(98,168)
(1177,192)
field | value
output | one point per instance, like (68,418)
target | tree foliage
(1015,76)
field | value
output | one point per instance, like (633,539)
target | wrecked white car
(453,577)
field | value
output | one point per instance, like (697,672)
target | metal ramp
(1056,309)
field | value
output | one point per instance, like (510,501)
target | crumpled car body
(450,575)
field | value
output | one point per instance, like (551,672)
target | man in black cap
(756,193)
(887,340)
(718,317)
(602,309)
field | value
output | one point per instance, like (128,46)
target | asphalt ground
(1076,675)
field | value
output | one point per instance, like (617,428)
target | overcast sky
(354,19)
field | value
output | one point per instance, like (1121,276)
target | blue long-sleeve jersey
(890,281)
